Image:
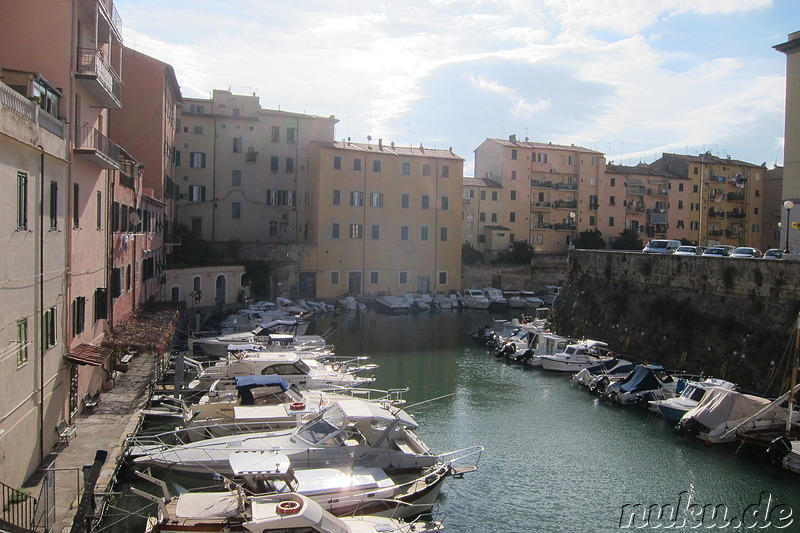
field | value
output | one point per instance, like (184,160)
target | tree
(627,240)
(469,255)
(590,240)
(519,252)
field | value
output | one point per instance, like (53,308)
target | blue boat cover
(642,378)
(261,381)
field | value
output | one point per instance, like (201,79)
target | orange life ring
(297,406)
(288,507)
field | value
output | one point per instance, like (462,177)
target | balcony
(98,149)
(735,197)
(715,232)
(636,190)
(657,192)
(566,186)
(541,225)
(541,205)
(735,214)
(26,108)
(564,226)
(634,209)
(716,214)
(541,184)
(562,204)
(99,78)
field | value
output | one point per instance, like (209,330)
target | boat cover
(719,406)
(261,381)
(642,378)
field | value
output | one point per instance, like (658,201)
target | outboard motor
(688,427)
(778,449)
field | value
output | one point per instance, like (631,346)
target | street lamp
(572,229)
(788,205)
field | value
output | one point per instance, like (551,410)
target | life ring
(297,406)
(336,367)
(288,507)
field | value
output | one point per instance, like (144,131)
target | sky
(629,78)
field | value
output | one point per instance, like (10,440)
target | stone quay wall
(722,317)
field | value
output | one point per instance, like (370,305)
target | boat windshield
(318,432)
(302,366)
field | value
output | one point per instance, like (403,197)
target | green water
(556,458)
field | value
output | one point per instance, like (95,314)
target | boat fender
(297,406)
(288,507)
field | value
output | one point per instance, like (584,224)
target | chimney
(512,137)
(380,144)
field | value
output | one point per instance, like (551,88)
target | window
(680,204)
(612,200)
(404,200)
(406,169)
(197,225)
(513,154)
(198,130)
(197,193)
(539,239)
(334,277)
(513,195)
(273,228)
(610,221)
(695,206)
(680,224)
(591,220)
(197,109)
(337,162)
(357,164)
(197,159)
(680,187)
(274,163)
(403,233)
(513,174)
(276,134)
(78,311)
(280,197)
(373,278)
(426,169)
(481,239)
(22,342)
(376,166)
(482,217)
(75,205)
(337,197)
(376,232)
(116,282)
(423,234)
(291,135)
(355,231)
(542,158)
(53,205)
(695,170)
(376,199)
(512,216)
(22,200)
(442,278)
(445,203)
(443,234)
(613,182)
(290,165)
(694,225)
(237,145)
(236,178)
(99,210)
(425,201)
(494,217)
(694,188)
(483,195)
(356,198)
(402,278)
(236,209)
(569,160)
(236,111)
(50,328)
(756,228)
(176,158)
(445,171)
(335,230)
(494,196)
(594,161)
(101,303)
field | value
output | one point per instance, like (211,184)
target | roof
(481,182)
(791,46)
(709,159)
(357,409)
(544,146)
(497,228)
(88,354)
(641,169)
(390,149)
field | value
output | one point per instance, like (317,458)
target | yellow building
(791,141)
(727,196)
(482,206)
(549,192)
(384,220)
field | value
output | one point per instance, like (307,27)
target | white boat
(442,301)
(576,357)
(268,334)
(209,512)
(514,299)
(475,299)
(392,305)
(349,433)
(531,300)
(497,301)
(291,366)
(549,294)
(544,342)
(673,409)
(349,303)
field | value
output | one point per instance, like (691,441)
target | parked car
(715,251)
(689,250)
(661,246)
(773,253)
(746,252)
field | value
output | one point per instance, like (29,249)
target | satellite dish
(369,137)
(134,219)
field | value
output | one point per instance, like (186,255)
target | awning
(87,354)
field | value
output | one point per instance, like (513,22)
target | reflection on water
(556,459)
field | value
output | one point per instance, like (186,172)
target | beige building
(726,194)
(382,219)
(791,142)
(207,286)
(482,208)
(549,192)
(239,169)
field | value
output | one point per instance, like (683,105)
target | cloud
(520,105)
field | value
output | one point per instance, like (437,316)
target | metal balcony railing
(98,145)
(19,509)
(91,62)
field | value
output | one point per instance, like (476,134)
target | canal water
(556,458)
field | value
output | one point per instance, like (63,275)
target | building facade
(791,145)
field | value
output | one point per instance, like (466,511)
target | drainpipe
(41,303)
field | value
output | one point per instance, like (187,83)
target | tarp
(261,381)
(719,406)
(642,378)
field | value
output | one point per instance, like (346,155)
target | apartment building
(383,219)
(483,206)
(726,194)
(75,45)
(238,168)
(791,144)
(549,193)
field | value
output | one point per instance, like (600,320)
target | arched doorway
(221,290)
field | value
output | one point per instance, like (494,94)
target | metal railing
(91,62)
(93,139)
(19,508)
